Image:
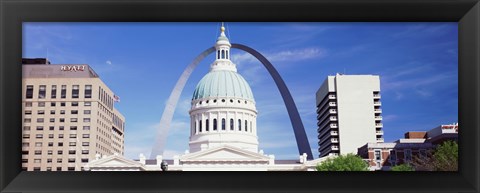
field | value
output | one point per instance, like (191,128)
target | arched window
(251,127)
(239,124)
(226,54)
(195,127)
(214,124)
(206,125)
(200,126)
(223,124)
(231,124)
(218,54)
(223,54)
(246,127)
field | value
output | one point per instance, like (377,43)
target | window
(86,120)
(73,135)
(200,126)
(87,104)
(52,120)
(378,155)
(59,160)
(24,160)
(49,160)
(62,120)
(38,144)
(36,161)
(408,154)
(75,91)
(41,91)
(49,168)
(239,125)
(251,127)
(60,152)
(71,160)
(27,120)
(246,127)
(74,112)
(50,136)
(86,127)
(36,168)
(393,156)
(86,135)
(60,144)
(63,93)
(86,112)
(38,152)
(72,144)
(61,127)
(85,143)
(26,128)
(41,112)
(59,168)
(60,136)
(207,124)
(52,112)
(54,92)
(26,136)
(40,120)
(223,124)
(41,104)
(73,127)
(71,168)
(50,144)
(40,128)
(231,124)
(71,152)
(28,112)
(84,160)
(214,124)
(25,144)
(88,91)
(29,93)
(73,120)
(84,151)
(28,104)
(74,104)
(49,152)
(62,104)
(24,152)
(62,112)
(39,136)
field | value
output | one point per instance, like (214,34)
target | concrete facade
(348,113)
(68,117)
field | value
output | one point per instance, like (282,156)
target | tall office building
(348,113)
(68,117)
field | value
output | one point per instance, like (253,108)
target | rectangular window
(61,127)
(38,144)
(87,104)
(39,136)
(49,160)
(59,168)
(86,120)
(75,91)
(52,120)
(393,155)
(53,104)
(71,160)
(62,120)
(40,120)
(86,135)
(71,152)
(73,127)
(28,112)
(41,104)
(41,91)
(73,135)
(27,120)
(60,144)
(49,168)
(59,160)
(71,168)
(40,112)
(28,104)
(72,144)
(74,112)
(26,136)
(86,127)
(49,152)
(85,143)
(408,154)
(52,112)
(36,168)
(60,136)
(29,93)
(26,128)
(50,144)
(54,92)
(25,144)
(62,104)
(40,128)
(24,152)
(38,152)
(24,160)
(88,91)
(86,112)
(36,161)
(50,136)
(84,160)
(62,112)
(63,93)
(84,151)
(74,104)
(73,120)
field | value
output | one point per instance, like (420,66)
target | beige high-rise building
(348,113)
(68,117)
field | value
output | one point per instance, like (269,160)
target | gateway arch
(167,116)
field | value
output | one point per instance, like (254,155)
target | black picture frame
(14,12)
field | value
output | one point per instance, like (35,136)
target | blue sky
(141,62)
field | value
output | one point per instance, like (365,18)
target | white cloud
(108,62)
(285,55)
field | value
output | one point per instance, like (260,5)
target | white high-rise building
(348,113)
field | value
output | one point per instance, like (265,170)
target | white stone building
(223,128)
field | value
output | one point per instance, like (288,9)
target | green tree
(349,162)
(443,158)
(402,168)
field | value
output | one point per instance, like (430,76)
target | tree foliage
(444,158)
(403,168)
(349,162)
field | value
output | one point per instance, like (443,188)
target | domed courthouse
(223,128)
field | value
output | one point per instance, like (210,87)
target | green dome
(223,83)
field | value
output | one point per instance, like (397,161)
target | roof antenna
(46,59)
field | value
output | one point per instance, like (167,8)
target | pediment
(114,161)
(224,153)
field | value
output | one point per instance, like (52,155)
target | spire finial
(222,29)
